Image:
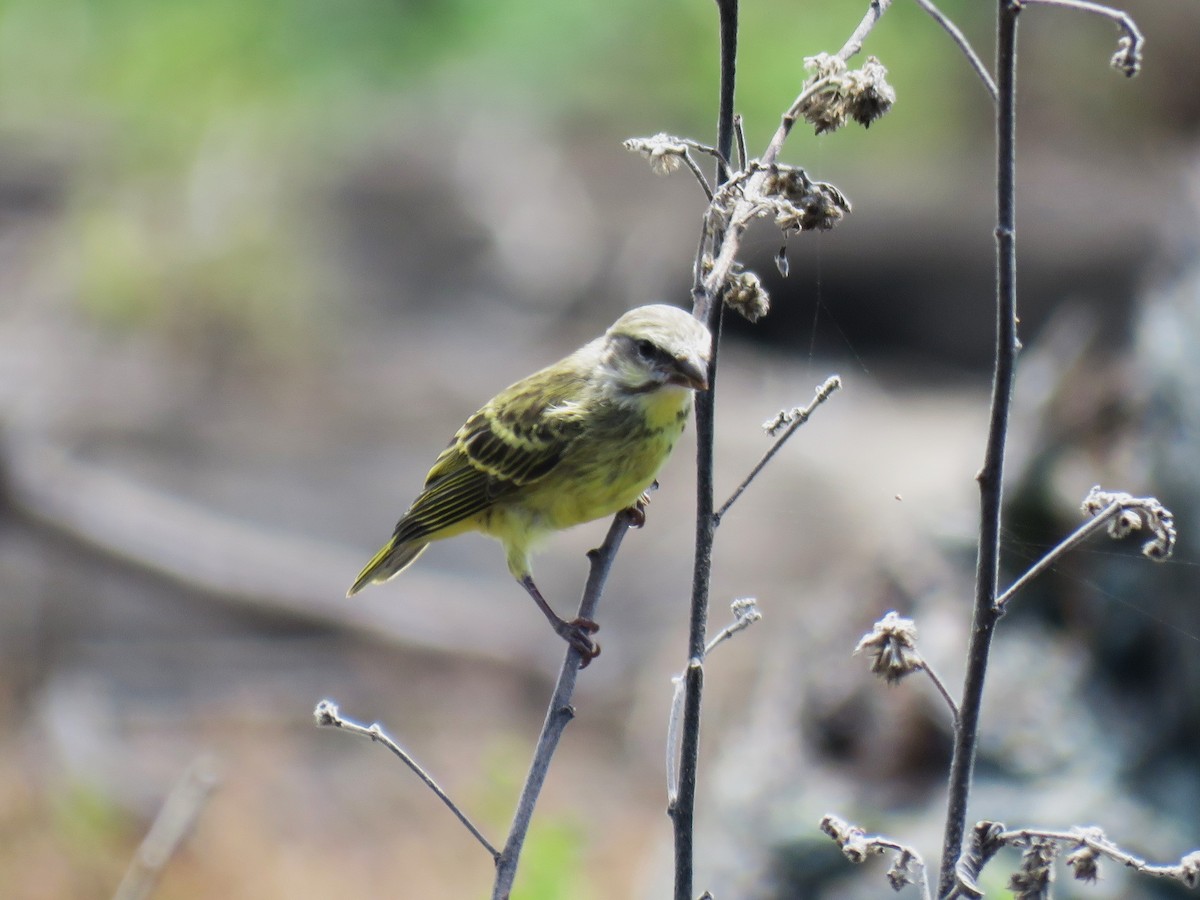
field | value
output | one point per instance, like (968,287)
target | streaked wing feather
(517,439)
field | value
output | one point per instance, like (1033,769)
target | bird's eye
(646,349)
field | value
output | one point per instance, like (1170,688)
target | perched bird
(576,441)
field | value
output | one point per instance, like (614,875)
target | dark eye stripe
(651,352)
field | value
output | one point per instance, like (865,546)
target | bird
(576,441)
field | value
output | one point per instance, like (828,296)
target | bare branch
(1073,540)
(327,716)
(745,613)
(1088,845)
(793,420)
(174,821)
(558,713)
(854,43)
(1123,514)
(964,45)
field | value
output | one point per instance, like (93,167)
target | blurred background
(258,260)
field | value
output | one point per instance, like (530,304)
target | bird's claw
(576,633)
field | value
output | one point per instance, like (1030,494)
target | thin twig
(1073,540)
(941,688)
(1187,870)
(558,713)
(174,821)
(789,118)
(740,133)
(796,417)
(854,43)
(327,716)
(719,156)
(745,613)
(963,44)
(991,475)
(704,186)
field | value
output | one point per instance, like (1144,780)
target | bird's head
(655,346)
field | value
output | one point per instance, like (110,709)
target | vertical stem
(682,812)
(991,476)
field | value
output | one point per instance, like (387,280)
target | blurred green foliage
(193,133)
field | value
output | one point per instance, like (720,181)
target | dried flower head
(1036,875)
(850,838)
(1189,869)
(1136,513)
(1084,863)
(892,645)
(868,94)
(1128,58)
(745,609)
(745,294)
(906,869)
(665,152)
(799,203)
(861,94)
(825,109)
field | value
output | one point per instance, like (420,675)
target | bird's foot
(576,633)
(637,512)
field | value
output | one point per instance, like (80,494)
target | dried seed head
(868,93)
(1128,58)
(905,870)
(892,645)
(1189,869)
(1036,875)
(861,94)
(664,151)
(850,838)
(801,204)
(745,609)
(1136,513)
(824,65)
(745,294)
(825,110)
(1084,863)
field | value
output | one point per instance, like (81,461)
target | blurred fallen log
(264,570)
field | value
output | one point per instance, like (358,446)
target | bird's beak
(689,372)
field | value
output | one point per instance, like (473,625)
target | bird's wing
(514,441)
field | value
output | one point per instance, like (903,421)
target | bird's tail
(390,561)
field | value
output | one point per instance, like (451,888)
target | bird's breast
(613,461)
